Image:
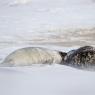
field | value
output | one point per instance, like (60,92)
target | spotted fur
(83,58)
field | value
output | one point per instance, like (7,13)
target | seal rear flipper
(63,55)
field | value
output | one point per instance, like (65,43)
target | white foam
(21,2)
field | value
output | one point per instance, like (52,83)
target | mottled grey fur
(83,58)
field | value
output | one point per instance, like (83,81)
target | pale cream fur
(32,55)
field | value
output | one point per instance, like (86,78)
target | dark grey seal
(82,58)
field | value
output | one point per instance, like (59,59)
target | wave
(14,2)
(57,37)
(19,2)
(46,2)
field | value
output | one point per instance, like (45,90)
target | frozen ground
(54,24)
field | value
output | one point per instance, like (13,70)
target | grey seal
(82,58)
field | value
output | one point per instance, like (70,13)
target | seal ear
(62,54)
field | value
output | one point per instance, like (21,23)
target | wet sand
(66,37)
(57,37)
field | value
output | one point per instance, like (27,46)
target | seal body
(83,58)
(32,55)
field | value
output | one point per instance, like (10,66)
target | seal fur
(33,55)
(83,58)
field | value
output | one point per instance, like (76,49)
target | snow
(54,24)
(48,80)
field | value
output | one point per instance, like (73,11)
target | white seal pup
(82,58)
(33,55)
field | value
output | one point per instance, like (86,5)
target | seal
(33,55)
(82,58)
